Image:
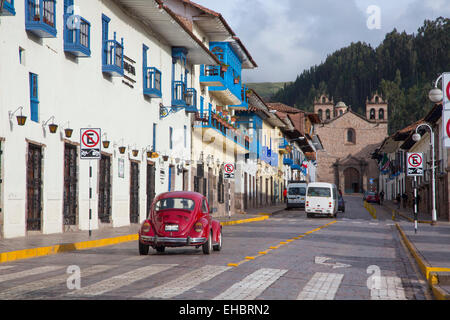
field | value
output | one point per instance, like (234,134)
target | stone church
(348,140)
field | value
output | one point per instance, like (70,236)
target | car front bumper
(168,241)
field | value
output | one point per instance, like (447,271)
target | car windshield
(319,192)
(175,203)
(297,191)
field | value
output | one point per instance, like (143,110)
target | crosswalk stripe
(17,291)
(184,283)
(322,286)
(252,285)
(5,267)
(121,280)
(389,288)
(26,273)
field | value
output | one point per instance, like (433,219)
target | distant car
(372,197)
(341,203)
(296,195)
(179,219)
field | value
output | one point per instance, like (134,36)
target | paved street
(286,257)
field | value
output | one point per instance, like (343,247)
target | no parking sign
(90,143)
(415,164)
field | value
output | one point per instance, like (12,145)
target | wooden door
(34,188)
(104,192)
(70,202)
(134,192)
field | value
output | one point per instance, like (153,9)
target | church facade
(349,139)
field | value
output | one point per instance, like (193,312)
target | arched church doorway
(352,180)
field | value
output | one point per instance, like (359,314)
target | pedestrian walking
(405,199)
(381,197)
(285,194)
(398,199)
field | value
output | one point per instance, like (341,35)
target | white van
(296,194)
(321,199)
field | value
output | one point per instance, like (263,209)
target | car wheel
(207,247)
(218,246)
(143,249)
(160,249)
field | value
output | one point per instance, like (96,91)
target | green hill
(267,89)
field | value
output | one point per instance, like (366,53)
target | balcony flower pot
(165,158)
(224,67)
(37,17)
(233,119)
(135,153)
(122,149)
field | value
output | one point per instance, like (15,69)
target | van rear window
(297,191)
(319,192)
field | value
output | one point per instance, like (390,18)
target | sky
(286,37)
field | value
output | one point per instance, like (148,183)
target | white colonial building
(130,68)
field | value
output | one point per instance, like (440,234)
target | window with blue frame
(8,8)
(151,77)
(40,17)
(34,97)
(112,53)
(77,32)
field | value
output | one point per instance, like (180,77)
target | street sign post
(90,149)
(415,169)
(228,171)
(415,164)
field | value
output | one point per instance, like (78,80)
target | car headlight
(146,227)
(198,227)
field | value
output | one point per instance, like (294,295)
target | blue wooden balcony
(113,57)
(178,94)
(243,106)
(212,76)
(152,82)
(77,36)
(40,18)
(190,97)
(8,8)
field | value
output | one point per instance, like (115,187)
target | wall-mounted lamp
(135,152)
(67,130)
(122,149)
(105,142)
(52,126)
(20,119)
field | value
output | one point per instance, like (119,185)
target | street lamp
(416,137)
(436,95)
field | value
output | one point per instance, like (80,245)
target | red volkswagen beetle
(179,219)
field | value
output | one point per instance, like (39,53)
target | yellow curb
(439,293)
(290,240)
(424,266)
(230,223)
(283,242)
(274,248)
(60,248)
(262,252)
(250,258)
(233,265)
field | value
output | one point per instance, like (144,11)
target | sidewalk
(430,247)
(408,213)
(47,244)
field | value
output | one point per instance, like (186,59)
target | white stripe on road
(121,280)
(322,286)
(184,283)
(26,273)
(13,293)
(5,267)
(389,288)
(252,285)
